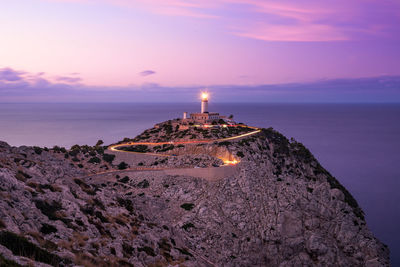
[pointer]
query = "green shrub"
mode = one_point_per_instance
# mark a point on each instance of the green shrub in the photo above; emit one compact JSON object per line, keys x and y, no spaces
{"x":37,"y":150}
{"x":168,"y":129}
{"x":100,"y":150}
{"x":301,"y":152}
{"x":108,"y":158}
{"x":138,"y":148}
{"x":99,"y":143}
{"x":187,"y":206}
{"x":127,"y":203}
{"x":122,"y":165}
{"x":94,"y":160}
{"x":76,"y":147}
{"x":124,"y":180}
{"x":73,"y":152}
{"x":143,"y":184}
{"x":281,"y":143}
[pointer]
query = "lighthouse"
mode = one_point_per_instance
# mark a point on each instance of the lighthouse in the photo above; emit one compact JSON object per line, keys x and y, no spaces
{"x":204,"y":117}
{"x":204,"y":102}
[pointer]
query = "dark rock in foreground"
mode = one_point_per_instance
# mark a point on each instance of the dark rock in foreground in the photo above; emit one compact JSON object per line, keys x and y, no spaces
{"x":280,"y":209}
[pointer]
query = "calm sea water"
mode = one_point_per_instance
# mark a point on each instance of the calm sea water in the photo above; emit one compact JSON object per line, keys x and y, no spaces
{"x":359,"y":144}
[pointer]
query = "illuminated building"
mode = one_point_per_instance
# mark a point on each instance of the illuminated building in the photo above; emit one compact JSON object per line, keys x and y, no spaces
{"x":204,"y":116}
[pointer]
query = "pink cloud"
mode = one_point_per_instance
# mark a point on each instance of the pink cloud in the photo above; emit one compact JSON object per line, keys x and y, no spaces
{"x":147,"y":72}
{"x":309,"y":21}
{"x":294,"y":10}
{"x":293,"y":33}
{"x":191,"y":8}
{"x":279,"y":20}
{"x":178,"y":11}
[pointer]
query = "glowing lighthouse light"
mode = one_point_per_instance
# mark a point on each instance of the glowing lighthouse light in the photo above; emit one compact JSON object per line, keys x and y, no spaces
{"x":204,"y":102}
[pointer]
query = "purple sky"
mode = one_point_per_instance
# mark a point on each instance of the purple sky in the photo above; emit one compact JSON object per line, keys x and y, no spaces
{"x":100,"y":50}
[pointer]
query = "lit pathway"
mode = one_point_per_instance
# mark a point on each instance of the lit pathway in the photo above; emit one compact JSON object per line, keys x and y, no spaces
{"x":115,"y":147}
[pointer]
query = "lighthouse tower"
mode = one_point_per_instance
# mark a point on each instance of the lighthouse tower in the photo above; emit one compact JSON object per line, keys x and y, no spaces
{"x":205,"y":116}
{"x":204,"y":102}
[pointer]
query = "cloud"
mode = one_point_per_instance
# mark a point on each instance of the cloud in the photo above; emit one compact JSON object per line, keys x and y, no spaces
{"x":68,"y":79}
{"x":316,"y":21}
{"x":291,"y":22}
{"x":147,"y":72}
{"x":283,"y":20}
{"x":10,"y":75}
{"x":10,"y":78}
{"x":293,"y":33}
{"x":26,"y":82}
{"x":27,"y":87}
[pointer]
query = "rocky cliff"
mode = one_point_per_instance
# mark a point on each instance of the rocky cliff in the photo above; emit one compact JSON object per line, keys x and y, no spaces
{"x":279,"y":208}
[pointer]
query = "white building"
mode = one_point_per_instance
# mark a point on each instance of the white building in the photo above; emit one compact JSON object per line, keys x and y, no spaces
{"x":204,"y":116}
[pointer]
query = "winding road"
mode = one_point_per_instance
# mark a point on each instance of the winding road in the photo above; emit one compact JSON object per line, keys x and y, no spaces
{"x":115,"y":149}
{"x":205,"y":141}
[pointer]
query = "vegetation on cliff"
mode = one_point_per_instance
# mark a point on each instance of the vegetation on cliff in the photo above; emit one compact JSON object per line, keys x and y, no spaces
{"x":278,"y":206}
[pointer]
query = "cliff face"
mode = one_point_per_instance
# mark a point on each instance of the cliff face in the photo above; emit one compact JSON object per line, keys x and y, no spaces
{"x":279,"y":208}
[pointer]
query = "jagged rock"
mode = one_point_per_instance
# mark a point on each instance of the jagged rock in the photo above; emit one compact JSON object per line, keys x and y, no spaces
{"x":279,"y":208}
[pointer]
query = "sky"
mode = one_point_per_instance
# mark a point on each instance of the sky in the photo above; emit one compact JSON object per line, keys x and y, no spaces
{"x":164,"y":50}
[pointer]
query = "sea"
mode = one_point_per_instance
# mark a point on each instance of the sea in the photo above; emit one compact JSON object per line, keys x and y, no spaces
{"x":357,"y":143}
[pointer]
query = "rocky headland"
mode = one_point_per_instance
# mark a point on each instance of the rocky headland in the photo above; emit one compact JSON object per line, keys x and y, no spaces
{"x":90,"y":206}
